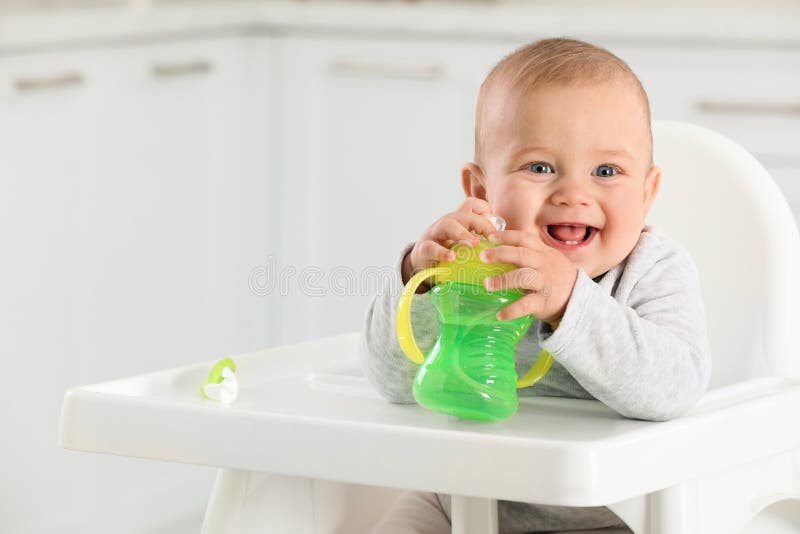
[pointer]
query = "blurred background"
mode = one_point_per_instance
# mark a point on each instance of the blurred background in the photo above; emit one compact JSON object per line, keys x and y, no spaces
{"x":181,"y":181}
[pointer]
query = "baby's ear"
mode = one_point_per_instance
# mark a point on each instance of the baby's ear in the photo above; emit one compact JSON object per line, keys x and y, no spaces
{"x":473,"y":181}
{"x":651,"y":182}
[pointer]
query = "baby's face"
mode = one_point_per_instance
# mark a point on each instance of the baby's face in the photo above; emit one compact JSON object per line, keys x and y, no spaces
{"x":576,"y":155}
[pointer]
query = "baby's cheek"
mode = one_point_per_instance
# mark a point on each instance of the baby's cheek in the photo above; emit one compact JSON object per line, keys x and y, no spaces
{"x":619,"y":237}
{"x":517,"y":204}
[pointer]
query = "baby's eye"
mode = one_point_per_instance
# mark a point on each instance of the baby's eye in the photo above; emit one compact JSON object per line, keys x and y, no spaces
{"x":540,"y":167}
{"x":606,"y":171}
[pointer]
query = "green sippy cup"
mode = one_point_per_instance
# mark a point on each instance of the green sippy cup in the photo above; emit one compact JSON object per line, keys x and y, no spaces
{"x":470,"y":371}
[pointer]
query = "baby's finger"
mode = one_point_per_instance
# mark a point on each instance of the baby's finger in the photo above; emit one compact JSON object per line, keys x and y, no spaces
{"x":526,"y":278}
{"x":431,"y":252}
{"x":521,"y":256}
{"x":449,"y":230}
{"x":476,"y":205}
{"x":530,"y":304}
{"x":474,"y":221}
{"x":519,"y":238}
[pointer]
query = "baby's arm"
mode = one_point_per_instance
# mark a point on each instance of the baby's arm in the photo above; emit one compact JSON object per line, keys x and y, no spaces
{"x":647,"y":354}
{"x":385,"y":365}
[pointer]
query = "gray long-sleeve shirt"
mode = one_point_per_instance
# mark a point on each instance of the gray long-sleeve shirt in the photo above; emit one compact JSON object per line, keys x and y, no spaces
{"x":634,"y":338}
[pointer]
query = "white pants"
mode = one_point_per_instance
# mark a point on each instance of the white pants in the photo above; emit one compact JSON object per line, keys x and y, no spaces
{"x":414,"y":512}
{"x":417,"y":512}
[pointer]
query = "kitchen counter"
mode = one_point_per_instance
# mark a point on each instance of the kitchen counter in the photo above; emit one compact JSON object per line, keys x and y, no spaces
{"x":772,"y":25}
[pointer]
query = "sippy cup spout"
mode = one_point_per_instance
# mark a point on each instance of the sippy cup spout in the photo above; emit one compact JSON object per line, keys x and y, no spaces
{"x":498,"y":222}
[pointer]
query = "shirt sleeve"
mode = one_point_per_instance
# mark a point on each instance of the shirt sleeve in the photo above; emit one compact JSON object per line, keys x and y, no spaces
{"x":648,"y":358}
{"x":384,"y":363}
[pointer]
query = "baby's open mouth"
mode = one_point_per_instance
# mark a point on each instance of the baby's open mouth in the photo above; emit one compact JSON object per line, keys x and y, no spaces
{"x":570,"y":234}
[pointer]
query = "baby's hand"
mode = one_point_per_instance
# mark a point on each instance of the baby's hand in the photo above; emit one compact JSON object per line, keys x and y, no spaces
{"x":545,"y":273}
{"x":434,"y":244}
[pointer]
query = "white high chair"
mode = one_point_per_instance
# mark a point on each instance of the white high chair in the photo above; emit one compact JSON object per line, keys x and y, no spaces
{"x":309,"y":447}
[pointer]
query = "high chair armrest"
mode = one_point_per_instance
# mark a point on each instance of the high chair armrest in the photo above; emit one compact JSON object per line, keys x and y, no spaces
{"x":305,"y":410}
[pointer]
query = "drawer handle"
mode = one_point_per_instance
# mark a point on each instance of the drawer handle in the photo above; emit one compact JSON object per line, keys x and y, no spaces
{"x":175,"y":70}
{"x":43,"y":83}
{"x":346,"y":67}
{"x":765,"y":108}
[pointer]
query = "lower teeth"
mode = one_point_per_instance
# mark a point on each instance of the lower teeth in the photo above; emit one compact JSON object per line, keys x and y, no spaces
{"x":588,"y":233}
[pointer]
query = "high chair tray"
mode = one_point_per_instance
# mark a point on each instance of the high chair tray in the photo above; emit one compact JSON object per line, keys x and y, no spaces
{"x":306,"y":410}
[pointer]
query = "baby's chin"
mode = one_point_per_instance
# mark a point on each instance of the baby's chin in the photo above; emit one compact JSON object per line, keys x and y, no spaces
{"x":595,"y":268}
{"x":589,"y":267}
{"x":603,"y":254}
{"x":590,"y":261}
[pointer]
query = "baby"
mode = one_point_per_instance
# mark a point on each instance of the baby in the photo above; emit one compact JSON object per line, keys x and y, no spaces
{"x":563,"y":152}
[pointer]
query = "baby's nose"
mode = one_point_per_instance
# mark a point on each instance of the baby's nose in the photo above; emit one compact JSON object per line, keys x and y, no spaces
{"x":571,"y":193}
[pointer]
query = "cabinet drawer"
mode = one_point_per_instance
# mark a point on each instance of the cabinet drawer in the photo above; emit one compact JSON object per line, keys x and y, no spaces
{"x":750,"y":95}
{"x":49,"y":74}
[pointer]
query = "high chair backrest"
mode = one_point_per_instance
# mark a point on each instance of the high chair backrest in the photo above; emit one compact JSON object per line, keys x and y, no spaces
{"x":719,"y":202}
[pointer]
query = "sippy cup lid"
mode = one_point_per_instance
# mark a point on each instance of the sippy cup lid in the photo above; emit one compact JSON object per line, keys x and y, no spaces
{"x":468,"y":267}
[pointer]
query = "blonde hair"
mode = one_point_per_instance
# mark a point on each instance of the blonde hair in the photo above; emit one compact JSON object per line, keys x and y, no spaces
{"x":555,"y":61}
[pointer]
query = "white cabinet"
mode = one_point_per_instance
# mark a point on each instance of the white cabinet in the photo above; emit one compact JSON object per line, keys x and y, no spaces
{"x":41,"y":106}
{"x":174,"y":216}
{"x":751,"y":95}
{"x":374,"y":134}
{"x":133,"y":182}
